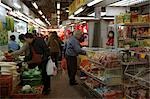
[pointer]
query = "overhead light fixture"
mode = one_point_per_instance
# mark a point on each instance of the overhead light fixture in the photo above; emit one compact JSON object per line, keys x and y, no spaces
{"x":67,"y":11}
{"x":43,"y":16}
{"x":71,"y":16}
{"x":58,"y":19}
{"x":93,"y":2}
{"x":127,"y":2}
{"x":17,"y":5}
{"x":46,"y":19}
{"x":92,"y":14}
{"x":40,"y":12}
{"x":78,"y":11}
{"x":5,"y":6}
{"x":58,"y":5}
{"x":58,"y":16}
{"x":83,"y":18}
{"x":103,"y":13}
{"x":108,"y":18}
{"x":58,"y":11}
{"x":35,"y":5}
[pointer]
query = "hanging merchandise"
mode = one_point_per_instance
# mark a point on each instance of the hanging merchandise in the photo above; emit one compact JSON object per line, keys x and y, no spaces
{"x":3,"y":38}
{"x":1,"y":26}
{"x":9,"y":23}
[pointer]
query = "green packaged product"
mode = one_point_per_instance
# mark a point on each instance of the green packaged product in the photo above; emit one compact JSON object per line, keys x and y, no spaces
{"x":127,"y":18}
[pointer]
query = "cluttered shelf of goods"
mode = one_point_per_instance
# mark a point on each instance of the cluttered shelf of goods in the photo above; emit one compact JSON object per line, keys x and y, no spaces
{"x":133,"y":29}
{"x":16,"y":81}
{"x":116,"y":73}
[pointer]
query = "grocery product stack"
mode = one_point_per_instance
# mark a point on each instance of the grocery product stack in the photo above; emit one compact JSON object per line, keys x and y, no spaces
{"x":103,"y":71}
{"x":133,"y":29}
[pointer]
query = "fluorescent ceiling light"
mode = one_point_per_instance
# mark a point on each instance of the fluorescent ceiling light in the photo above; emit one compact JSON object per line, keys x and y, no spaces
{"x":35,"y":5}
{"x":58,"y":16}
{"x":58,"y":19}
{"x":83,"y":18}
{"x":46,"y":19}
{"x":38,"y":21}
{"x":92,"y":14}
{"x":93,"y":2}
{"x":40,"y":12}
{"x":78,"y":11}
{"x":107,"y":18}
{"x":58,"y":5}
{"x":58,"y":11}
{"x":43,"y":16}
{"x":17,"y":5}
{"x":5,"y":6}
{"x":71,"y":16}
{"x":67,"y":10}
{"x":103,"y":13}
{"x":127,"y":2}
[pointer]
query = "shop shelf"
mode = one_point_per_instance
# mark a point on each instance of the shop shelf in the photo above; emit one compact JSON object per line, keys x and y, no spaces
{"x":134,"y":63}
{"x":113,"y":80}
{"x":92,"y":76}
{"x":96,"y":62}
{"x":92,"y":91}
{"x":135,"y":24}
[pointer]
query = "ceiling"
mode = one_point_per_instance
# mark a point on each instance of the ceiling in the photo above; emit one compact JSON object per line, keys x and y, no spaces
{"x":49,"y":9}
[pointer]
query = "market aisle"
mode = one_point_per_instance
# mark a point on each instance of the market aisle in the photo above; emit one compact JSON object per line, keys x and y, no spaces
{"x":62,"y":90}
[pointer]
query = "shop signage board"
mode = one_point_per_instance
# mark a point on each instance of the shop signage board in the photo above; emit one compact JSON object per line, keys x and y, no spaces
{"x":75,"y":5}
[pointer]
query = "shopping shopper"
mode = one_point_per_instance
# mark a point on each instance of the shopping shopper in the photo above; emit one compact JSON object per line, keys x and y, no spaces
{"x":12,"y":45}
{"x":73,"y":48}
{"x":53,"y":44}
{"x":39,"y":56}
{"x":24,"y":49}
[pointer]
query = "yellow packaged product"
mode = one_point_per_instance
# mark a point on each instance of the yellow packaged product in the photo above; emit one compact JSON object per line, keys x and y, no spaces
{"x":145,"y":18}
{"x":119,"y":19}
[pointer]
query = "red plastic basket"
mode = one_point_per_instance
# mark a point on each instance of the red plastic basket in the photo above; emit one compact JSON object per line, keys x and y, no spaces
{"x":6,"y":80}
{"x":16,"y":95}
{"x":5,"y":85}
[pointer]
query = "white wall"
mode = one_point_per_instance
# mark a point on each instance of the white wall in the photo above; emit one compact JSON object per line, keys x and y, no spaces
{"x":113,"y":11}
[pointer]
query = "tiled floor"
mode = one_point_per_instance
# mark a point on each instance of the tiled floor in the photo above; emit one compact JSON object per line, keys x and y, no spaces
{"x":62,"y":90}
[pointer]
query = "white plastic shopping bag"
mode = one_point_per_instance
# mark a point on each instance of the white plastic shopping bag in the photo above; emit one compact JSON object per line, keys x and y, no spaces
{"x":51,"y":69}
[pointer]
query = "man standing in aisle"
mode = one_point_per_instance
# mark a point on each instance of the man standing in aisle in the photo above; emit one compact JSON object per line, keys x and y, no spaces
{"x":73,"y":48}
{"x":39,"y":53}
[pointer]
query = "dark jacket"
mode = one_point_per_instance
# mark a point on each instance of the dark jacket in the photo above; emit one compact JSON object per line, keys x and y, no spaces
{"x":40,"y":47}
{"x":53,"y":44}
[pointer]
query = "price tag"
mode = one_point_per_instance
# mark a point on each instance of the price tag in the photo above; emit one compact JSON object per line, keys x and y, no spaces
{"x":142,"y":55}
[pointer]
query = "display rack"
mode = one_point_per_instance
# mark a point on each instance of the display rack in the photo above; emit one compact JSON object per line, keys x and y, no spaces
{"x":104,"y":77}
{"x":133,"y":72}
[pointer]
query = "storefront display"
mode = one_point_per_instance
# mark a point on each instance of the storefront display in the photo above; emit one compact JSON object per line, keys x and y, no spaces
{"x":103,"y":69}
{"x":128,"y":69}
{"x":133,"y":29}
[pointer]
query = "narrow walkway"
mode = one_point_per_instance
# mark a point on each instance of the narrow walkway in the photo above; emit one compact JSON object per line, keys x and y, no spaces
{"x":62,"y":90}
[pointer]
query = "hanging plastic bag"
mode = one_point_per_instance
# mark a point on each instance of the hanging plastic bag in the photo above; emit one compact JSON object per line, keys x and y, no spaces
{"x":51,"y":68}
